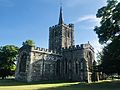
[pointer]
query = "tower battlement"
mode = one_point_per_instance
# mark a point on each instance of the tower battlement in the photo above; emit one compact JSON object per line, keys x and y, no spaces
{"x":65,"y":25}
{"x":55,"y":26}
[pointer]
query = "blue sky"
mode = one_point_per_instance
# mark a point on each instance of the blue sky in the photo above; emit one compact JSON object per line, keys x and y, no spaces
{"x":30,"y":19}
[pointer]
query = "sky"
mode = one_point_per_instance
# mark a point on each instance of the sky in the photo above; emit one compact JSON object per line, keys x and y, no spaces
{"x":21,"y":20}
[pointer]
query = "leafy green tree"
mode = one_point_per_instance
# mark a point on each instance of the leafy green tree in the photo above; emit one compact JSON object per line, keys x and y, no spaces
{"x":29,"y":43}
{"x":113,"y":54}
{"x":110,"y":17}
{"x":8,"y":56}
{"x":99,"y":57}
{"x":109,"y":33}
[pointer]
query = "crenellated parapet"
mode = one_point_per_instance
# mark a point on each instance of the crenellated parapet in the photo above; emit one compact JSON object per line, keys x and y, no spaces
{"x":55,"y":26}
{"x":78,"y":47}
{"x":28,"y":49}
{"x":44,"y":50}
{"x":87,"y":46}
{"x":64,"y":25}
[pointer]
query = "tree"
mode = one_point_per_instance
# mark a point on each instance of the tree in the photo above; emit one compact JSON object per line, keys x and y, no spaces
{"x":110,"y":16}
{"x":28,"y":43}
{"x":8,"y":56}
{"x":109,"y":33}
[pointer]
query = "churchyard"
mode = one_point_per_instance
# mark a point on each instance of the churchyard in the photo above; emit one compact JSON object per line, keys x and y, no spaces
{"x":11,"y":84}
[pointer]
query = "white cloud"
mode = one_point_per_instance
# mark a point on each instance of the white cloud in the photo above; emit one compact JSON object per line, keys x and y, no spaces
{"x":90,"y":18}
{"x":90,"y":21}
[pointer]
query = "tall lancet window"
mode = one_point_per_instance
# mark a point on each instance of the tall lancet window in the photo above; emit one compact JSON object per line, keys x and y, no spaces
{"x":23,"y":59}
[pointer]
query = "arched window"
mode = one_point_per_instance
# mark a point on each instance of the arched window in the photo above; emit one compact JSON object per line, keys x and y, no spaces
{"x":66,"y":65}
{"x":81,"y":65}
{"x":90,"y":60}
{"x":58,"y":67}
{"x":76,"y":64}
{"x":23,"y":59}
{"x":68,"y":34}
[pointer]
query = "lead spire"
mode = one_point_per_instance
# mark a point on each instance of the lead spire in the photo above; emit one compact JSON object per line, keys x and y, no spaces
{"x":61,"y":21}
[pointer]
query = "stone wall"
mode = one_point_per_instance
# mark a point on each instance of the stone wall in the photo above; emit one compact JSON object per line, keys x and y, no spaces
{"x":44,"y":66}
{"x":79,"y":60}
{"x":40,"y":64}
{"x":73,"y":63}
{"x":23,"y":63}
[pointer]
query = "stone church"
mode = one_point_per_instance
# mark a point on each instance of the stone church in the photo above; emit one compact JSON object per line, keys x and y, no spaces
{"x":62,"y":61}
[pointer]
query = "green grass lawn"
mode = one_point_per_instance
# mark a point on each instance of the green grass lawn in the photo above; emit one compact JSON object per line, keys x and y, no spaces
{"x":11,"y":84}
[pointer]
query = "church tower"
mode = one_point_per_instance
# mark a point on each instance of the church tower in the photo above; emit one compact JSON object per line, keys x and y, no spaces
{"x":61,"y":35}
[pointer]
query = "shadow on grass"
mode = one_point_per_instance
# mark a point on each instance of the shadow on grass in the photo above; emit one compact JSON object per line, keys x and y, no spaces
{"x":13,"y":82}
{"x":106,"y":85}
